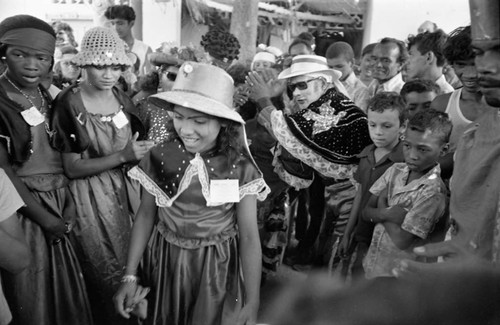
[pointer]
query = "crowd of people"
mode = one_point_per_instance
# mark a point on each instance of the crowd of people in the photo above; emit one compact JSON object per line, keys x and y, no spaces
{"x":168,"y":187}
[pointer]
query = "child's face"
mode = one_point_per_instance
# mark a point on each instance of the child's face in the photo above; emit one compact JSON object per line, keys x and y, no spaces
{"x":198,"y":131}
{"x":384,"y":128}
{"x":422,"y":149}
{"x":416,"y":102}
{"x":260,"y":65}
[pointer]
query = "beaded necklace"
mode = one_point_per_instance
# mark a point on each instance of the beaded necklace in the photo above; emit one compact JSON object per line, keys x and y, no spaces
{"x":47,"y":129}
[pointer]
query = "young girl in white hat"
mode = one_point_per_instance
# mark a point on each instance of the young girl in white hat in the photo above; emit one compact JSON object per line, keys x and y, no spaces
{"x":204,"y":259}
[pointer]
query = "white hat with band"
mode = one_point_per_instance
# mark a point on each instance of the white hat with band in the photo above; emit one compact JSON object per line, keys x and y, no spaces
{"x":202,"y":87}
{"x":307,"y":64}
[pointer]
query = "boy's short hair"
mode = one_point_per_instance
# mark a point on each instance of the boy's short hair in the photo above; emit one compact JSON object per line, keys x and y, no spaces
{"x":419,"y":86}
{"x":338,"y":49}
{"x":430,"y":119}
{"x":458,"y":46}
{"x":430,"y":42}
{"x":120,"y":12}
{"x":388,"y":100}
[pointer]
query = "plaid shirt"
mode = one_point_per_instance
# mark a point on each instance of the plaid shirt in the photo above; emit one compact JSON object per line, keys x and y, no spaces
{"x":423,"y":198}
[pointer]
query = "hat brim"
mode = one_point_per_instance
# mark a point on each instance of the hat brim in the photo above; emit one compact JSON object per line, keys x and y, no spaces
{"x":195,"y":101}
{"x":288,"y":73}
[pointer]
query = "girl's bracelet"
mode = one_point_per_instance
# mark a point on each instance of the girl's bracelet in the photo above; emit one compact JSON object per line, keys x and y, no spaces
{"x":129,"y":278}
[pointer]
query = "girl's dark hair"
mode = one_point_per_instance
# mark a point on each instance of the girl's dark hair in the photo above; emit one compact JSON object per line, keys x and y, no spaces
{"x":228,"y":140}
{"x":150,"y":82}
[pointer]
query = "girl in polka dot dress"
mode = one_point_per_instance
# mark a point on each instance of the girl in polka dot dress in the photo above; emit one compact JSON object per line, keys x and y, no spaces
{"x":203,"y":260}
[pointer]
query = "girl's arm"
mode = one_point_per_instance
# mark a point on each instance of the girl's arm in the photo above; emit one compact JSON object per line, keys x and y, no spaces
{"x":77,"y":167}
{"x":141,"y":232}
{"x":251,"y":257}
{"x":353,"y":220}
{"x":33,"y":210}
{"x":14,"y":253}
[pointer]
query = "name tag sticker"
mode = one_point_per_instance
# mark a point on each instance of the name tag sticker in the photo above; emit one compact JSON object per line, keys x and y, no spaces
{"x":120,"y":120}
{"x":32,"y":116}
{"x":224,"y":190}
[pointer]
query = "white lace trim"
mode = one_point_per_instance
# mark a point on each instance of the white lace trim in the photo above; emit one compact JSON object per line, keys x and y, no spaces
{"x":294,"y":181}
{"x":305,"y":154}
{"x":196,"y":167}
{"x":256,"y":187}
{"x":161,"y":198}
{"x":7,"y":139}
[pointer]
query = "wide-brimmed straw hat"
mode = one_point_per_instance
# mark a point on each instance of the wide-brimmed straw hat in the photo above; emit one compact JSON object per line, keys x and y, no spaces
{"x":306,"y":64}
{"x":202,"y":87}
{"x":102,"y":46}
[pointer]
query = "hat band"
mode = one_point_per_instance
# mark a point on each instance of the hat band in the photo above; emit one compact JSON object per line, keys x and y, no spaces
{"x":304,"y":67}
{"x":32,"y":38}
{"x":201,"y":94}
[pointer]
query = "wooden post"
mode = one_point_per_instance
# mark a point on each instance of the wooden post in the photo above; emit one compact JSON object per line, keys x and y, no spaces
{"x":244,"y":21}
{"x":137,"y":28}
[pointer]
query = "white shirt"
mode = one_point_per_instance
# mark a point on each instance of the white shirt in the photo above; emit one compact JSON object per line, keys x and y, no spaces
{"x":444,"y":86}
{"x":141,"y":50}
{"x":357,"y":91}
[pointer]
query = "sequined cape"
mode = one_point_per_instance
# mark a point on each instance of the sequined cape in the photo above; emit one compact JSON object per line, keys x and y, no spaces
{"x":69,"y":116}
{"x":15,"y":133}
{"x":167,"y":169}
{"x":333,"y":126}
{"x":324,"y":138}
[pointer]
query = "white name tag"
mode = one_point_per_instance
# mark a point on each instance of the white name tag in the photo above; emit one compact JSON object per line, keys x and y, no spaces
{"x":32,"y":116}
{"x":120,"y":120}
{"x":224,"y":190}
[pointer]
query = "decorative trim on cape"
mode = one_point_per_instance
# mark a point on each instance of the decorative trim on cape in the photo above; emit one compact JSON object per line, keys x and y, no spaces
{"x":305,"y":154}
{"x":196,"y":167}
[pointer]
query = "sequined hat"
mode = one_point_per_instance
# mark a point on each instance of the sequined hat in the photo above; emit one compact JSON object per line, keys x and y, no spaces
{"x":101,"y":46}
{"x":202,"y":87}
{"x":306,"y":64}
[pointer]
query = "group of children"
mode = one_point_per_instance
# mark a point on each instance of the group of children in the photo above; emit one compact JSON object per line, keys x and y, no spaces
{"x":103,"y":209}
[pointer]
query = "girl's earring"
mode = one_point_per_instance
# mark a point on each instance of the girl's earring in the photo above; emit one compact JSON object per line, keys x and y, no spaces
{"x":401,"y":136}
{"x":3,"y":58}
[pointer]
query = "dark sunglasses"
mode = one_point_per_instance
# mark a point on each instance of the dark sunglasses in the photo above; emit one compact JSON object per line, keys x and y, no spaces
{"x":171,"y":76}
{"x":302,"y":85}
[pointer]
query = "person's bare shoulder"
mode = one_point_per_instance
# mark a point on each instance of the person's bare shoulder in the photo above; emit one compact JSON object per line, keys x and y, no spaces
{"x":440,"y":102}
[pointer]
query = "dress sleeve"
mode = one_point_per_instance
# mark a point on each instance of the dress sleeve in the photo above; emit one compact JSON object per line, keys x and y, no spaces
{"x":251,"y":181}
{"x":10,"y":200}
{"x":425,"y":212}
{"x":67,"y":121}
